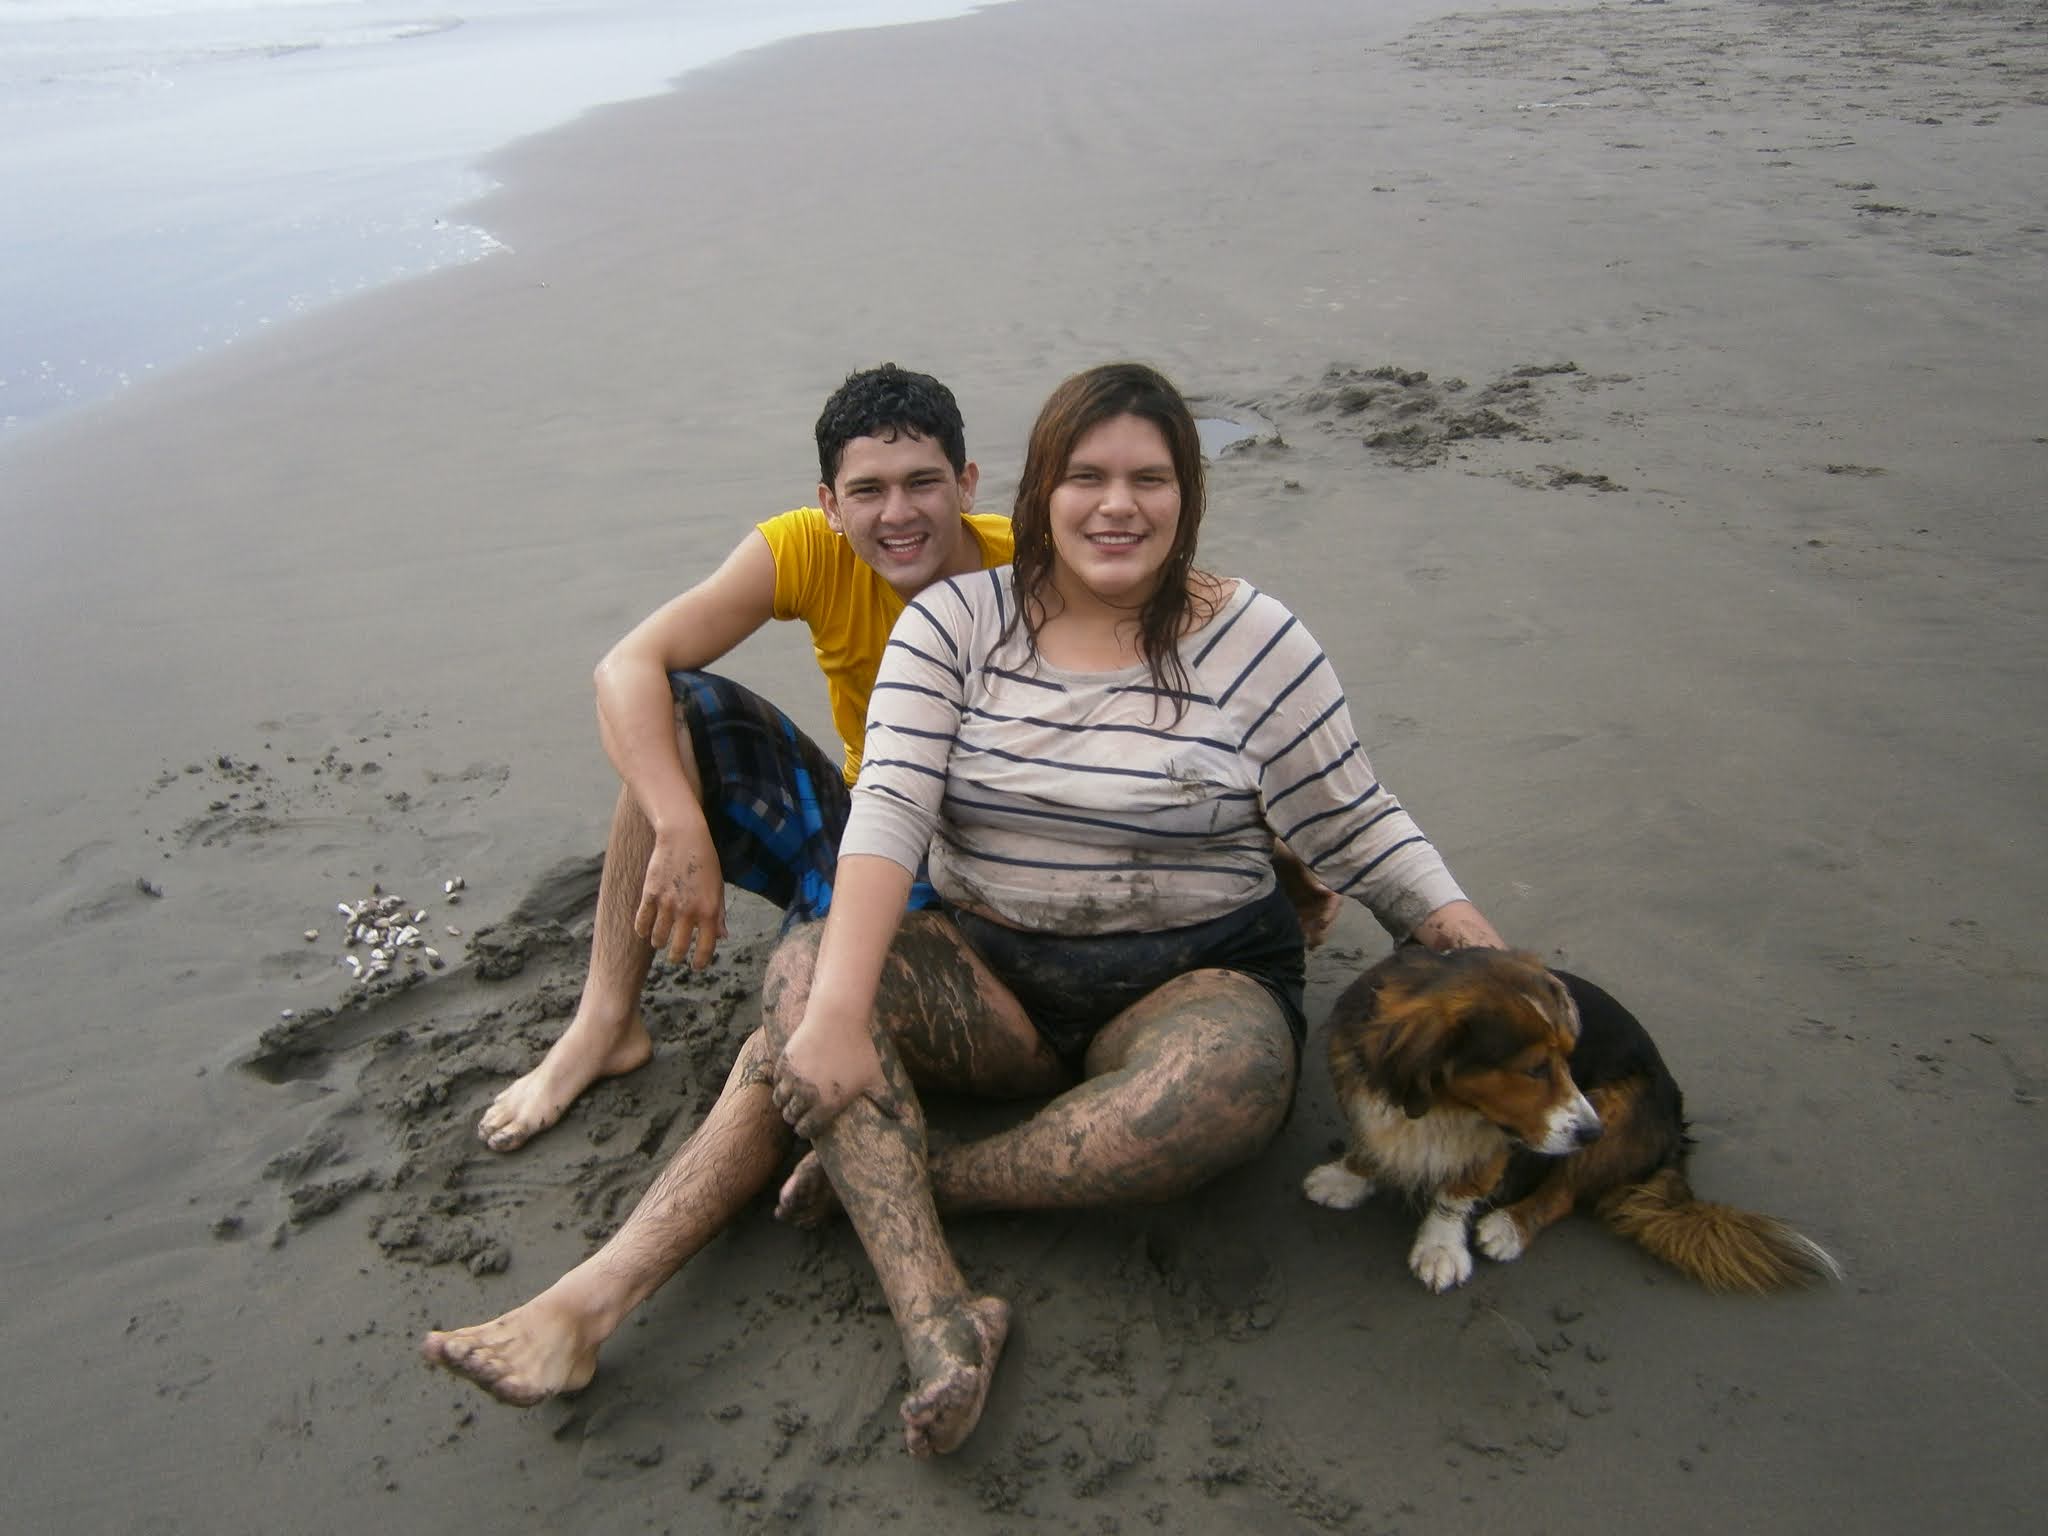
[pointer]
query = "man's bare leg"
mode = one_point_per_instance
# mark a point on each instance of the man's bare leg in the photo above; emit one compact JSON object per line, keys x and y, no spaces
{"x":1189,"y":1082}
{"x":606,"y":1037}
{"x":550,"y":1344}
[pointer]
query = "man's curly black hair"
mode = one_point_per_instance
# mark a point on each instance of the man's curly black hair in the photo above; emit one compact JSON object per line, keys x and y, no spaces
{"x":881,"y":402}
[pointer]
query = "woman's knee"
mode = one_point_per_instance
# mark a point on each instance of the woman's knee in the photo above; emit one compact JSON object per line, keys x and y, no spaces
{"x":786,"y":982}
{"x":1224,"y":1080}
{"x":1263,"y":1069}
{"x":1250,"y":1085}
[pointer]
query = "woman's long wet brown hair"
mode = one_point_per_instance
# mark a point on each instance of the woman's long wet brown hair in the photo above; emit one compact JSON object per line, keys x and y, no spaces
{"x":1076,"y":408}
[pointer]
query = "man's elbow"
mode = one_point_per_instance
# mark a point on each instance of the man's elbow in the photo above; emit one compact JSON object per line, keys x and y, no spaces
{"x":614,"y":668}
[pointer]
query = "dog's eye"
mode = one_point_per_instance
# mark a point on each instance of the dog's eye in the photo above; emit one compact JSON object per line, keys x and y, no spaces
{"x":1541,"y":1072}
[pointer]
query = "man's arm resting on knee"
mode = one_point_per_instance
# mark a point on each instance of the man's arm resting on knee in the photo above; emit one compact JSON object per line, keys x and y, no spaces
{"x":636,"y":717}
{"x":829,"y":1059}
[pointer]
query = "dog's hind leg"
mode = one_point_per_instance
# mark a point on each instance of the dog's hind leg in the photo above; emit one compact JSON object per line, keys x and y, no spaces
{"x":1506,"y":1233}
{"x":1634,"y":1142}
{"x":1342,"y":1185}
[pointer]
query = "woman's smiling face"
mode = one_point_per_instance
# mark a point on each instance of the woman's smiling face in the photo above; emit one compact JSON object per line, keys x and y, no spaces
{"x":1114,"y":515}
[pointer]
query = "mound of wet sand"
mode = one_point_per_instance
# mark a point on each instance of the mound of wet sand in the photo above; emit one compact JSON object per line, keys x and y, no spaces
{"x":414,"y":1058}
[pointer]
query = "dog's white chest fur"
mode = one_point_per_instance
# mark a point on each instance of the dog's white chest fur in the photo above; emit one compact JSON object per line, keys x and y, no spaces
{"x":1420,"y":1156}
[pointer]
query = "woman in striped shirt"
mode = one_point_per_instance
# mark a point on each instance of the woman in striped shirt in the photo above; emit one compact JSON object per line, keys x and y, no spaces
{"x":1095,"y":749}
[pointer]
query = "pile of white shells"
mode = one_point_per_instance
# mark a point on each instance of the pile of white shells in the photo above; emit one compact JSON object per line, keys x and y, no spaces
{"x":383,"y":931}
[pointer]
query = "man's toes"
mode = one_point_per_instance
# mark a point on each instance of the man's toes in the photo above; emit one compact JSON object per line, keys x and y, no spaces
{"x":502,"y":1138}
{"x":478,"y":1360}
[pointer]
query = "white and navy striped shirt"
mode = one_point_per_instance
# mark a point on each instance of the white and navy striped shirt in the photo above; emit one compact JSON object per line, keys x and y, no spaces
{"x":1074,"y":802}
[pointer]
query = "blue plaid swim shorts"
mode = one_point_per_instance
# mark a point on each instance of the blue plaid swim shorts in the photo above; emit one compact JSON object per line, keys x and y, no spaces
{"x":776,"y":804}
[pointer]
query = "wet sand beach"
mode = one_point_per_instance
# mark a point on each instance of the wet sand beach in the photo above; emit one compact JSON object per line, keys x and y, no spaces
{"x":1644,"y":409}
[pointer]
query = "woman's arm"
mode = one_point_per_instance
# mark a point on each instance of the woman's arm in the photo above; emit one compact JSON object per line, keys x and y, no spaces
{"x":1457,"y":925}
{"x":913,"y":715}
{"x":830,"y":1059}
{"x":1320,"y":796}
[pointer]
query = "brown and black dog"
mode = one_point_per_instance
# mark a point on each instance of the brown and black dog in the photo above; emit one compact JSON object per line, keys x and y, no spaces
{"x":1483,"y":1079}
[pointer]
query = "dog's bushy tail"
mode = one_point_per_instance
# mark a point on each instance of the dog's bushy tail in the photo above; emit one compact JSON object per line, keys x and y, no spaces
{"x":1724,"y":1249}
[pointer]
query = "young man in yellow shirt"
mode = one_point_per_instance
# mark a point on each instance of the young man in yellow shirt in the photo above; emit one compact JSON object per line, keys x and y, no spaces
{"x":718,"y":785}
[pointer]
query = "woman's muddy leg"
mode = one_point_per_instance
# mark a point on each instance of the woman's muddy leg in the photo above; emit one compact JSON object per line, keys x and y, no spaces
{"x":874,"y":1155}
{"x":1194,"y":1079}
{"x":952,"y":1337}
{"x":956,"y":1029}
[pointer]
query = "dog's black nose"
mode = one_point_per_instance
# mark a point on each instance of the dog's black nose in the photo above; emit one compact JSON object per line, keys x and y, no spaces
{"x":1588,"y":1133}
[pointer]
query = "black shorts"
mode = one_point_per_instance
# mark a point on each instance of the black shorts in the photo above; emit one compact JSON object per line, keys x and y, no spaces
{"x":1071,"y":987}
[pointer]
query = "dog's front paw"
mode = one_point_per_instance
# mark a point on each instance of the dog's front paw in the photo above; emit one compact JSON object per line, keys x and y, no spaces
{"x":1440,"y":1264}
{"x":1336,"y":1186}
{"x":1500,"y":1237}
{"x":1441,"y":1258}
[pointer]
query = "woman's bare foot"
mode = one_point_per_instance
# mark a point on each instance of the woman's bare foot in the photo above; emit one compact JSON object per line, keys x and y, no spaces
{"x":584,"y":1053}
{"x":524,"y":1357}
{"x":952,"y":1355}
{"x":807,"y":1198}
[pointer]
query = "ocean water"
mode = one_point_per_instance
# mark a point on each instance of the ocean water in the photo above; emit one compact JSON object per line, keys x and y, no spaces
{"x":176,"y":175}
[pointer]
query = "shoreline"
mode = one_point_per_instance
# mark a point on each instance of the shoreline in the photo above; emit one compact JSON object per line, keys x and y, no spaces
{"x":201,"y":179}
{"x":1666,"y":512}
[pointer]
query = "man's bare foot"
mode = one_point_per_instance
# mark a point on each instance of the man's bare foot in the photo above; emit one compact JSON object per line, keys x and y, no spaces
{"x":524,"y":1357}
{"x":952,"y":1356}
{"x":579,"y":1058}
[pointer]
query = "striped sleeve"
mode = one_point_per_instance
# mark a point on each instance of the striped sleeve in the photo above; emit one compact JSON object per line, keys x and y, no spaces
{"x":1316,"y":785}
{"x":913,"y":722}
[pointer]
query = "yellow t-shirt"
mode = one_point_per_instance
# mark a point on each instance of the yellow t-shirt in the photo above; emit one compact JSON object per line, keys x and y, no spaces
{"x":849,"y":607}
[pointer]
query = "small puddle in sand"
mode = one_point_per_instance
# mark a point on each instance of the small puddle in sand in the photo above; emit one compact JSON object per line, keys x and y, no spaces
{"x":1219,"y":433}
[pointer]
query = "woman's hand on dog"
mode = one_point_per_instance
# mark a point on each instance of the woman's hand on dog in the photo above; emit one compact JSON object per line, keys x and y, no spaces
{"x":1458,"y":925}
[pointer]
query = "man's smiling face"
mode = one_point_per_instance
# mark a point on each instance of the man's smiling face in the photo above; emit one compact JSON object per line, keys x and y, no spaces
{"x":897,"y":501}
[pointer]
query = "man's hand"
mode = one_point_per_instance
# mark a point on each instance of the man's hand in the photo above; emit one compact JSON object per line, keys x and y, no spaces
{"x":682,"y":905}
{"x":827,"y":1064}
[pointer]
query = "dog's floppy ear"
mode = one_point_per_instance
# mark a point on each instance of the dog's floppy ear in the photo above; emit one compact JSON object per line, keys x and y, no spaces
{"x":1413,"y":1047}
